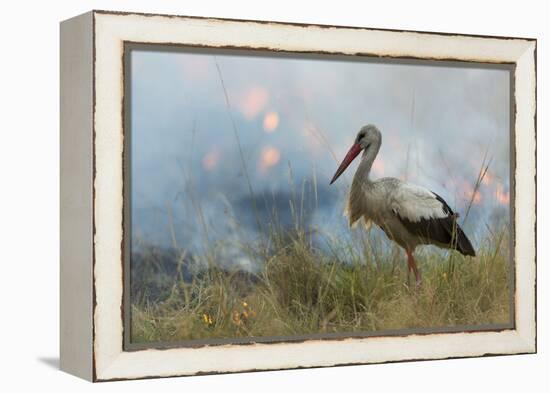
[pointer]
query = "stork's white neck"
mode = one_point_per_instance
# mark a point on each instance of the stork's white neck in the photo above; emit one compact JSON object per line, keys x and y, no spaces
{"x":367,"y":159}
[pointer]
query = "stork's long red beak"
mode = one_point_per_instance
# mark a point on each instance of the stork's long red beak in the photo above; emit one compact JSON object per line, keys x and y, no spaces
{"x":352,"y":153}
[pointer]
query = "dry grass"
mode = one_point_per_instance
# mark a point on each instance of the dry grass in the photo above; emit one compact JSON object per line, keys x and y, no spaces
{"x":304,"y":290}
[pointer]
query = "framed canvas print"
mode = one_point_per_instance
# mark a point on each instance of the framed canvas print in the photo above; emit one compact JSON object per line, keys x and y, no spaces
{"x":246,"y":195}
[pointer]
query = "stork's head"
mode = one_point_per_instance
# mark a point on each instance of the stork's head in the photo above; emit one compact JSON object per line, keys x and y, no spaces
{"x":368,"y":136}
{"x":368,"y":139}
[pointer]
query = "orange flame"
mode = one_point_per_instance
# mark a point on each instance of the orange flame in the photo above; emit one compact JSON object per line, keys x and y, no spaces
{"x":469,"y":193}
{"x":253,"y":102}
{"x":488,"y":178}
{"x":477,"y":198}
{"x":269,"y":157}
{"x":211,"y":159}
{"x":271,"y":122}
{"x":502,"y":196}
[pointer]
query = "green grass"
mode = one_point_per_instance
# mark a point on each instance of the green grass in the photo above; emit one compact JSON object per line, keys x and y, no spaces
{"x":301,"y":289}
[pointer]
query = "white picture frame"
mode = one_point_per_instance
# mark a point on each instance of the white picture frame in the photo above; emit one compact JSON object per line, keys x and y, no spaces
{"x":92,"y":194}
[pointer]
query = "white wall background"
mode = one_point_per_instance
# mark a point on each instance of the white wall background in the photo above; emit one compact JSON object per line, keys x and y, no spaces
{"x":29,"y":195}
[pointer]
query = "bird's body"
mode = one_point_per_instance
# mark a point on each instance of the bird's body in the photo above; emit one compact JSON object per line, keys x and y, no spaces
{"x":408,"y":214}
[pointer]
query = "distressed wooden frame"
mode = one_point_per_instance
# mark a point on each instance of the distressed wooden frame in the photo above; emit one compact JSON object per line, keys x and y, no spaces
{"x":92,"y":190}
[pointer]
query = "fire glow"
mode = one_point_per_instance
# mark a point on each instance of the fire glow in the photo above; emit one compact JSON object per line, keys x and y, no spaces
{"x":488,"y":178}
{"x":211,"y":159}
{"x":253,"y":102}
{"x":269,"y":157}
{"x":502,"y":196}
{"x":271,"y":122}
{"x":470,"y":194}
{"x":475,"y":197}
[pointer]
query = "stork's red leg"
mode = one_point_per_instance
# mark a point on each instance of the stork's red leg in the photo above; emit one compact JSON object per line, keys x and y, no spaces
{"x":412,"y":266}
{"x":409,"y":268}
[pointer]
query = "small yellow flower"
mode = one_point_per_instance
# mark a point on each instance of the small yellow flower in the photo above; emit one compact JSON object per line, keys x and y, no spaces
{"x":241,"y":315}
{"x":444,"y":275}
{"x":207,"y":319}
{"x":236,"y":317}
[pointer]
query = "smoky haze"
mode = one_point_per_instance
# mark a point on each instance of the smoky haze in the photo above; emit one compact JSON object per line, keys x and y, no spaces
{"x":195,"y":178}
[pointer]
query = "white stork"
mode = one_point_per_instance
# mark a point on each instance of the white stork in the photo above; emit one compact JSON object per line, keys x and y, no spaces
{"x":408,"y":214}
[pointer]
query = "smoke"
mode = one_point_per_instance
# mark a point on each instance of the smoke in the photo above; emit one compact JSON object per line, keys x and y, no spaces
{"x":296,"y":117}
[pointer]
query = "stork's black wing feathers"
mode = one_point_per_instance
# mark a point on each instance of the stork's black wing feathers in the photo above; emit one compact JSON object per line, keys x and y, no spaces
{"x":445,"y":231}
